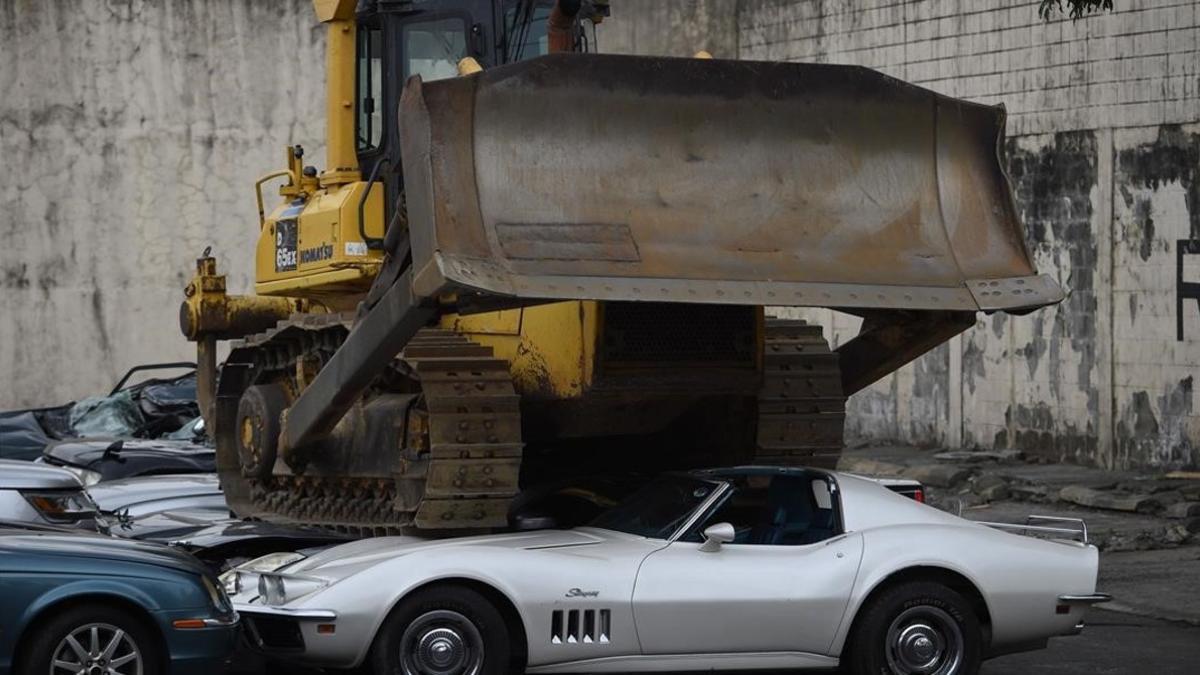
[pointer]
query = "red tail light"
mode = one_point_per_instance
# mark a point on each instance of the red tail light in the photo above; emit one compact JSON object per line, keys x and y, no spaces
{"x":919,"y":495}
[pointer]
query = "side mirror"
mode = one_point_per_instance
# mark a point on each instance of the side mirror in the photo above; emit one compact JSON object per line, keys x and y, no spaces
{"x":715,"y":535}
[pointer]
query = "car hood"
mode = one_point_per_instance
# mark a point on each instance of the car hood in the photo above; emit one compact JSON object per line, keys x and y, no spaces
{"x":134,"y":456}
{"x":189,"y":533}
{"x":338,"y":560}
{"x":117,"y":494}
{"x":19,"y":475}
{"x":98,"y":547}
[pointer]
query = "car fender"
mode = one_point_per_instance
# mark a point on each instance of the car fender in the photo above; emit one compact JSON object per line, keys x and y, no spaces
{"x":363,"y":605}
{"x":1018,"y":577}
{"x":534,"y":582}
{"x":115,"y":588}
{"x":448,"y":575}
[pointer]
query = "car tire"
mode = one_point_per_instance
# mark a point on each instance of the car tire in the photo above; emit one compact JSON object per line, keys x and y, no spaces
{"x":258,"y":428}
{"x":453,"y":628}
{"x":135,"y":649}
{"x":915,"y":627}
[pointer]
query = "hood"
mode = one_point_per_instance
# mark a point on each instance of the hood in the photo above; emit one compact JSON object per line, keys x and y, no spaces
{"x":116,"y":494}
{"x":97,"y":547}
{"x":367,"y":552}
{"x":18,"y":475}
{"x":120,"y":458}
{"x":188,"y":533}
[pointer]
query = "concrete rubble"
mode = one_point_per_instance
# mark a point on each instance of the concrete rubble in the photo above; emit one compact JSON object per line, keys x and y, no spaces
{"x":1125,"y":511}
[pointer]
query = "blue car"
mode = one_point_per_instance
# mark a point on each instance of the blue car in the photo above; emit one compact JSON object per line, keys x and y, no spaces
{"x":94,"y":605}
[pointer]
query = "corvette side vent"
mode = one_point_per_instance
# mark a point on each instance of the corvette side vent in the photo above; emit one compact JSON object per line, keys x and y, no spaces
{"x":576,"y":626}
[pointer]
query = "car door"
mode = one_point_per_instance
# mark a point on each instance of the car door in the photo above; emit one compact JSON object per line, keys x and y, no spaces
{"x":782,"y":585}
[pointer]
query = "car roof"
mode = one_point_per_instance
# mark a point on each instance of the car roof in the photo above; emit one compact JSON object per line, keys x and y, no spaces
{"x":20,"y":475}
{"x":759,"y":470}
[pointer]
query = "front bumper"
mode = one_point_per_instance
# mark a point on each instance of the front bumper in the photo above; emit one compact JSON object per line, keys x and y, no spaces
{"x":313,"y":636}
{"x":297,"y":614}
{"x":199,"y":651}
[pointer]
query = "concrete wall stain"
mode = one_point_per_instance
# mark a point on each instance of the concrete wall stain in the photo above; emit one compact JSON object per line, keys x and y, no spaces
{"x":972,"y":363}
{"x":1053,"y":187}
{"x":1036,"y":347}
{"x":930,"y":402}
{"x":1174,"y":157}
{"x":1156,"y":430}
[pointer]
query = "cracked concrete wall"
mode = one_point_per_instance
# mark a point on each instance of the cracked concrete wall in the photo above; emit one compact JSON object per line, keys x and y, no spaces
{"x":1103,"y":153}
{"x":132,"y":132}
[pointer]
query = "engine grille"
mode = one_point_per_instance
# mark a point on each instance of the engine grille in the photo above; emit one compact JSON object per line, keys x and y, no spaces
{"x":276,"y":633}
{"x":659,"y":334}
{"x":575,"y":626}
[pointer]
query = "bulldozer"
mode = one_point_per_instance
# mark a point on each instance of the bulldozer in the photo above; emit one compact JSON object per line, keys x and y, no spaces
{"x":525,"y":260}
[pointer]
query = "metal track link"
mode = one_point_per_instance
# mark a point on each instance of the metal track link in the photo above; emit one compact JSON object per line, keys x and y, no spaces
{"x":473,"y":462}
{"x":463,"y":468}
{"x":801,"y":409}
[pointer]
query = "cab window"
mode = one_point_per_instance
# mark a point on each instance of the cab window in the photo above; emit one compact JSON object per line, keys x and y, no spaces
{"x":369,"y":45}
{"x":525,"y":28}
{"x":775,"y":510}
{"x":432,"y":49}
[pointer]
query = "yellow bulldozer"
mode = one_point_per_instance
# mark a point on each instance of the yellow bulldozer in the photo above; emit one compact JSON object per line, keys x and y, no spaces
{"x":524,"y":262}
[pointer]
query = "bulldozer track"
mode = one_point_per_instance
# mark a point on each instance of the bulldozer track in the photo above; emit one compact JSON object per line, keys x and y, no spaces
{"x":462,"y":460}
{"x":801,"y":408}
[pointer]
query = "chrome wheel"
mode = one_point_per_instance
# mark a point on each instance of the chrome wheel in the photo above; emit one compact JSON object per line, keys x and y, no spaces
{"x":97,"y":649}
{"x":441,"y":642}
{"x":924,"y":640}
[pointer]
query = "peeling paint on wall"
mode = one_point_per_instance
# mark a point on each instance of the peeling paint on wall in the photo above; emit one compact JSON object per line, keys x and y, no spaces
{"x":1155,"y":427}
{"x":1173,"y":157}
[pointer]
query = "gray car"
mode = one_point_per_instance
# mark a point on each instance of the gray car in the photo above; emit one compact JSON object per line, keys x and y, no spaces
{"x":731,"y":569}
{"x":46,"y":495}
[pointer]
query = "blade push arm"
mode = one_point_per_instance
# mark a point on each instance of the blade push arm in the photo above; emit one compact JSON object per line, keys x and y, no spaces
{"x":374,"y":342}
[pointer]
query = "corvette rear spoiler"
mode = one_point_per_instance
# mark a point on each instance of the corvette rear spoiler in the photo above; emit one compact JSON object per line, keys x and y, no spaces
{"x":1073,"y":529}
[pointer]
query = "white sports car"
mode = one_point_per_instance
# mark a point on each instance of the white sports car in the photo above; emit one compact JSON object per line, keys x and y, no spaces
{"x":709,"y":570}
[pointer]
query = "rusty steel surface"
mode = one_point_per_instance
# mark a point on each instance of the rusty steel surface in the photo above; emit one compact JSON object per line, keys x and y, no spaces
{"x":698,"y":180}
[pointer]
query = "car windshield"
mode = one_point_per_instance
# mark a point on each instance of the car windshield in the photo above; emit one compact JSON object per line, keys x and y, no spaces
{"x":657,"y":509}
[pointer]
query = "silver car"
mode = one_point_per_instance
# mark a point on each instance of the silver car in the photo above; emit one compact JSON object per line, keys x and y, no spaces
{"x":714,"y":570}
{"x":44,"y":495}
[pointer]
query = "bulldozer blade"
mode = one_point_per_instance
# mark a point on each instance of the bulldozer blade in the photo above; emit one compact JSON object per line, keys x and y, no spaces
{"x":608,"y":177}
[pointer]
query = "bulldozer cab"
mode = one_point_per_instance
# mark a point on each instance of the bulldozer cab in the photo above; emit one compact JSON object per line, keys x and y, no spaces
{"x":430,"y":39}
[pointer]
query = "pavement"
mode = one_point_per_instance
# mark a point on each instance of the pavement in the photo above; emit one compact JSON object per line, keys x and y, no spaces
{"x":1112,"y":643}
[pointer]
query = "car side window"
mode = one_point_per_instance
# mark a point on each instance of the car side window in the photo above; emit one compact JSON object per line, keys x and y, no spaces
{"x":775,"y":511}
